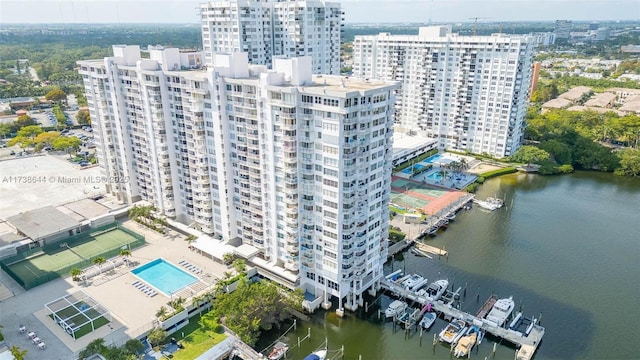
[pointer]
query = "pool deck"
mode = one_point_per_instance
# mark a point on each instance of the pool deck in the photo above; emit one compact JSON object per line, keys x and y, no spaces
{"x":133,"y":312}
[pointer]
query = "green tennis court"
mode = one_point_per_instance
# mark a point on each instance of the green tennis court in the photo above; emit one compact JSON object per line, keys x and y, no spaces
{"x":40,"y":266}
{"x":37,"y":266}
{"x":407,"y":200}
{"x":100,"y":243}
{"x":430,"y":192}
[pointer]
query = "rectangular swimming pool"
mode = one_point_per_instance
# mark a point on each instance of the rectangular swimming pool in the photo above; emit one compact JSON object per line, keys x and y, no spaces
{"x":164,"y":276}
{"x":412,"y":169}
{"x":433,"y":158}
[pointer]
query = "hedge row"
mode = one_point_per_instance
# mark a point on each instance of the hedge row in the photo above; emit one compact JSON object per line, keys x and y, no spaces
{"x":410,"y":162}
{"x":498,"y":172}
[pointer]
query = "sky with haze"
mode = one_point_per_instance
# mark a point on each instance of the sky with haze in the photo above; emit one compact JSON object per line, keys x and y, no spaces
{"x":185,"y":11}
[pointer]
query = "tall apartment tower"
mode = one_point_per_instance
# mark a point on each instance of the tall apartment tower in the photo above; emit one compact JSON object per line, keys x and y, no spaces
{"x":268,"y":29}
{"x":296,"y":166}
{"x":563,"y":29}
{"x":469,"y":92}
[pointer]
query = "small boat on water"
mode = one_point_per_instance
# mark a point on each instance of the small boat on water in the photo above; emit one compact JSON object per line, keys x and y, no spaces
{"x":501,"y":311}
{"x":453,"y":332}
{"x":442,"y":223}
{"x":451,"y":216}
{"x":412,"y":281}
{"x":466,"y":343}
{"x":435,"y":290}
{"x":491,"y":203}
{"x":495,"y":200}
{"x":428,"y":319}
{"x":395,"y":308}
{"x":317,"y":355}
{"x":421,"y":253}
{"x":278,"y":351}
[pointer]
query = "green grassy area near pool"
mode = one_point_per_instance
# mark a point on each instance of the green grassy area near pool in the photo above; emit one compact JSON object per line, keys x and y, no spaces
{"x":196,"y":340}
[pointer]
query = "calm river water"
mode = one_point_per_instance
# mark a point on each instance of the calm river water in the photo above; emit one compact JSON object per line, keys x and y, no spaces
{"x":564,"y":246}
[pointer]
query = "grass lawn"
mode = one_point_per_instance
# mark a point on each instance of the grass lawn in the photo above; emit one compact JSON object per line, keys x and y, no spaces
{"x":397,"y":210}
{"x":196,"y":340}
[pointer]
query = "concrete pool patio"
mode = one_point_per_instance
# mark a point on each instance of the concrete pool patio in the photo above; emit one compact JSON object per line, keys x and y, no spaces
{"x":133,"y":312}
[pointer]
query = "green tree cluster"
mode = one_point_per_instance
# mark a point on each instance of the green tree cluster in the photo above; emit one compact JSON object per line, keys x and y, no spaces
{"x":83,"y":117}
{"x":129,"y":351}
{"x":255,"y":306}
{"x":584,"y":140}
{"x":145,"y":215}
{"x":56,"y":95}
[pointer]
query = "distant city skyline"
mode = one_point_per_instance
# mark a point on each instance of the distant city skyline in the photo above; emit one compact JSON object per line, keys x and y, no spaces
{"x":356,"y":11}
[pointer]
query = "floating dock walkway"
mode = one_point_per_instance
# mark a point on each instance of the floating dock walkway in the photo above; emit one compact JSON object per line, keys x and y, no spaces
{"x":430,"y":249}
{"x":527,"y":344}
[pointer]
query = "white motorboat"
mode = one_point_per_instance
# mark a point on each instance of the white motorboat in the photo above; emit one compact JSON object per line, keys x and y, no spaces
{"x":436,"y":289}
{"x":501,"y":311}
{"x":453,"y":332}
{"x":317,"y":355}
{"x":490,"y":203}
{"x":466,"y":343}
{"x":427,"y":320}
{"x":395,"y":308}
{"x":412,"y":281}
{"x":497,"y":201}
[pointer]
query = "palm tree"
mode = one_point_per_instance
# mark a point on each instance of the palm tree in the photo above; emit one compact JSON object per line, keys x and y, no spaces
{"x":125,"y":253}
{"x":191,"y":238}
{"x":134,"y":346}
{"x":209,"y":296}
{"x":99,"y":261}
{"x":197,"y":301}
{"x":75,"y":274}
{"x":156,"y":335}
{"x":239,"y":265}
{"x":177,"y":303}
{"x":227,"y":258}
{"x":162,"y":312}
{"x":463,"y":165}
{"x":18,"y":354}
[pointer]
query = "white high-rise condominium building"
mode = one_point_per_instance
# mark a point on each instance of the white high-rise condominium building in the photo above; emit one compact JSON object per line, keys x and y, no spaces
{"x":298,"y":167}
{"x":469,"y":92}
{"x":267,"y":29}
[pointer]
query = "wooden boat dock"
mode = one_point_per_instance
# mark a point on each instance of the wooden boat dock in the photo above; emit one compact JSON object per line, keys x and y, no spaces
{"x":527,"y":344}
{"x":430,"y":249}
